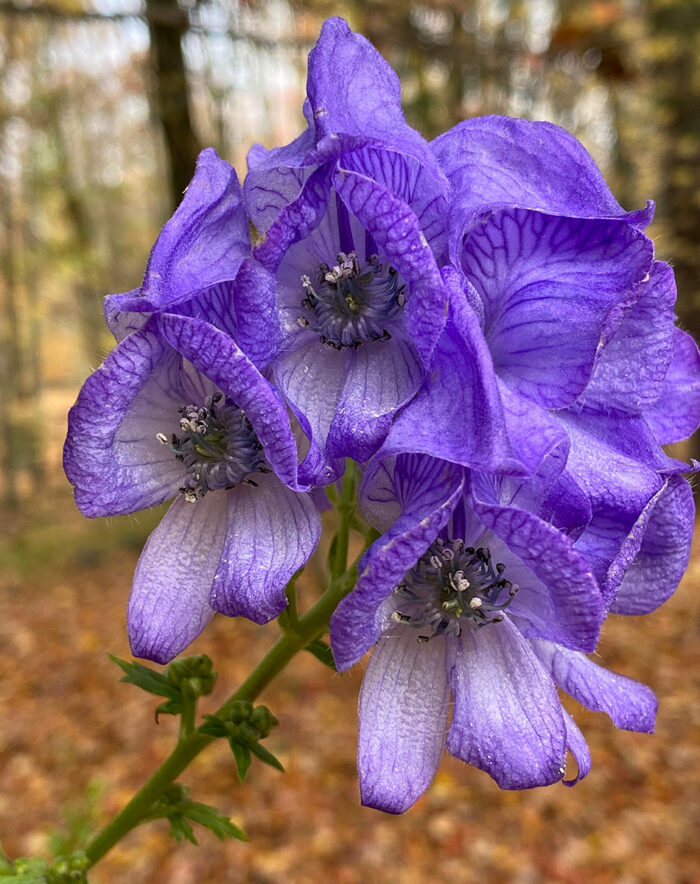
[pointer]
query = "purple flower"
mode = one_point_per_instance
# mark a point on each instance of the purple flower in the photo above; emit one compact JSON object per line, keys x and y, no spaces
{"x":471,"y":597}
{"x":179,"y":411}
{"x":202,"y":266}
{"x":352,"y":216}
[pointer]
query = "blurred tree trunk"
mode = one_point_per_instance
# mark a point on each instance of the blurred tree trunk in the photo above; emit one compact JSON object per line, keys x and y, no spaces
{"x":167,"y":23}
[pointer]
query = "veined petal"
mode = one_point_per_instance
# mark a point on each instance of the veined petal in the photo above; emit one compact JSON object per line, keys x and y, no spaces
{"x":380,"y":377}
{"x":271,"y":533}
{"x":663,"y":553}
{"x":403,"y":717}
{"x":676,"y":413}
{"x":547,"y":284}
{"x":428,"y":491}
{"x":629,"y":704}
{"x":111,"y":454}
{"x":507,"y":719}
{"x":169,"y":603}
{"x":498,"y":161}
{"x":630,"y":369}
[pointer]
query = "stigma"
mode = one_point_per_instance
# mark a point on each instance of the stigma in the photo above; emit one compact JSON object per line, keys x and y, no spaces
{"x":217,"y":446}
{"x":349,"y":305}
{"x":451,"y":587}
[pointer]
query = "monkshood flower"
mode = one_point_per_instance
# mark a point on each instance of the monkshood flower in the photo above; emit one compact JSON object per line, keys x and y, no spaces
{"x":201,"y":266}
{"x":177,"y":410}
{"x":352,"y":217}
{"x":471,"y":597}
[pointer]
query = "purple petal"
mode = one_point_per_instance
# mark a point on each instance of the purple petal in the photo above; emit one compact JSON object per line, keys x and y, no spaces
{"x":403,"y":717}
{"x":676,"y":413}
{"x":398,"y":235}
{"x":427,"y":491}
{"x":507,"y":719}
{"x":205,"y":241}
{"x":558,"y":595}
{"x":111,"y":455}
{"x":219,"y":357}
{"x":664,"y":552}
{"x":629,"y":704}
{"x":576,"y":744}
{"x":169,"y":603}
{"x":534,"y":434}
{"x":457,"y":415}
{"x":631,"y":367}
{"x":271,"y":533}
{"x":547,"y":284}
{"x":380,"y":377}
{"x":498,"y":161}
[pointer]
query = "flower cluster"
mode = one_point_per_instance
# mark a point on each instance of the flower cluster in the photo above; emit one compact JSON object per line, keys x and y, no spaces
{"x":478,"y":324}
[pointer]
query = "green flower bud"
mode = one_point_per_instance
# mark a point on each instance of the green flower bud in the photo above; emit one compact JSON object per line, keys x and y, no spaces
{"x":240,"y":711}
{"x":263,"y":720}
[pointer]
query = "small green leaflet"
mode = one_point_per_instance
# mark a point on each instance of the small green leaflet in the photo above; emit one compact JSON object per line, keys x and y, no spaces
{"x":154,"y":682}
{"x":322,"y":652}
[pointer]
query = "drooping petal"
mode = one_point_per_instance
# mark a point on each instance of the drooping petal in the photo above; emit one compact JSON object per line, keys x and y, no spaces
{"x":169,"y":603}
{"x":507,"y":719}
{"x":629,"y":704}
{"x":557,"y":593}
{"x":380,"y":377}
{"x":271,"y":533}
{"x":664,"y":551}
{"x":547,"y":284}
{"x":676,"y":413}
{"x":630,"y":370}
{"x":498,"y":161}
{"x":428,"y":491}
{"x":205,"y":241}
{"x":403,"y":717}
{"x":576,"y":744}
{"x":218,"y":357}
{"x":111,"y":454}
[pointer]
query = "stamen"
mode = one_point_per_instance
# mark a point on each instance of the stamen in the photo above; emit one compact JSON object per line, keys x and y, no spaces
{"x":218,"y":447}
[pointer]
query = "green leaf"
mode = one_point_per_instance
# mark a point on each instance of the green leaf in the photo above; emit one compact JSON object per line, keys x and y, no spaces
{"x":265,"y":756}
{"x":147,"y":679}
{"x":243,"y":758}
{"x":216,"y":822}
{"x":181,"y":830}
{"x":213,"y":727}
{"x":322,"y":652}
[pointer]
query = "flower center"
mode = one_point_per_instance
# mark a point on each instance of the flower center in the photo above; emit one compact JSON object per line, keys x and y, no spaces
{"x":451,"y":586}
{"x":348,"y":305}
{"x":217,"y":445}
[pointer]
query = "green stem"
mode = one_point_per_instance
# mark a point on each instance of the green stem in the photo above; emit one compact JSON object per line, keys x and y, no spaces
{"x":346,"y":511}
{"x":310,"y":626}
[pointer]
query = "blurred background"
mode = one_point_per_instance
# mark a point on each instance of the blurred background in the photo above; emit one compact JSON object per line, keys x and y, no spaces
{"x":104,"y":106}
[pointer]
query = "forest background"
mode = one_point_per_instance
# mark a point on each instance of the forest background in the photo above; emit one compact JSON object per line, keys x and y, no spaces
{"x":104,"y":105}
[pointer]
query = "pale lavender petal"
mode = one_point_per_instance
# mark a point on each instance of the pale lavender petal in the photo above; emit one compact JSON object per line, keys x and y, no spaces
{"x":547,"y":284}
{"x":507,"y":719}
{"x":576,"y":744}
{"x":169,"y":603}
{"x":676,"y":413}
{"x":403,"y":717}
{"x":629,"y":704}
{"x":111,"y":454}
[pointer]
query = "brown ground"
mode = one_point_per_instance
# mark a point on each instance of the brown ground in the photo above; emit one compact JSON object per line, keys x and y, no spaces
{"x":68,"y":721}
